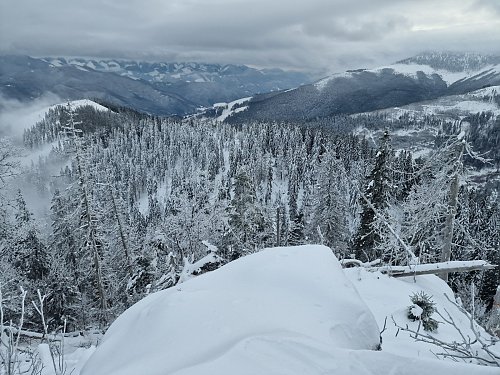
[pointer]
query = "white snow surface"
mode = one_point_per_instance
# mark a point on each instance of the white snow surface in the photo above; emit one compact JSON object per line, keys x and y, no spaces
{"x":280,"y":311}
{"x":228,"y":108}
{"x":322,"y":83}
{"x":81,"y":103}
{"x":411,"y":70}
{"x":390,"y":297}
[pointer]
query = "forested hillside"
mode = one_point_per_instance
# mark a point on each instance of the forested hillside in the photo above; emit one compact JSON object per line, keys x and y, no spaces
{"x":139,"y":202}
{"x":424,"y":77}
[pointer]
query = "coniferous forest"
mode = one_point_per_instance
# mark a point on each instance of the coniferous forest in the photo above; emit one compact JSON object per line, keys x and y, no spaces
{"x":136,"y":202}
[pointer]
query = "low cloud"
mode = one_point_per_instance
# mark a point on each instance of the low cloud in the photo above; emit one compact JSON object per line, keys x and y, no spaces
{"x":16,"y":116}
{"x":314,"y":35}
{"x":491,"y":5}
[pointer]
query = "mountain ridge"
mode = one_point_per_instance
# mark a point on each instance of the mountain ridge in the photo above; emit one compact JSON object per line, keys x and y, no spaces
{"x":149,"y":90}
{"x":365,"y":90}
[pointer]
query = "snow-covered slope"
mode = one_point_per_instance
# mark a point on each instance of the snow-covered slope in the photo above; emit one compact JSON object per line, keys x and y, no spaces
{"x":413,"y":70}
{"x":228,"y":109}
{"x":281,"y":311}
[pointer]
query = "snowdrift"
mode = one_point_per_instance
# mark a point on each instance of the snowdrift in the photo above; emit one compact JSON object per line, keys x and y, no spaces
{"x":281,"y":311}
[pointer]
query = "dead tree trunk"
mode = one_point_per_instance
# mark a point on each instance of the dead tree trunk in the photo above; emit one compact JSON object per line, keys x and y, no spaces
{"x":278,"y":226}
{"x":91,"y":240}
{"x":121,"y":233}
{"x":451,"y":211}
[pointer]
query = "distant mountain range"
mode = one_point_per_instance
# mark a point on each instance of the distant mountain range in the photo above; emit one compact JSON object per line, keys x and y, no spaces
{"x":427,"y":76}
{"x":156,"y":88}
{"x":269,"y":94}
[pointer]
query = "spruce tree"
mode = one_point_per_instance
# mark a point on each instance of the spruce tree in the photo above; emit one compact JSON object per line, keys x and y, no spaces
{"x":375,"y":196}
{"x":245,"y":218}
{"x":331,"y":206}
{"x":30,"y":253}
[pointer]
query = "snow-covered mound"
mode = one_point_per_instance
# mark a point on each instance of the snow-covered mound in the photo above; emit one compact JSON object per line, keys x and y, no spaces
{"x":250,"y":315}
{"x":281,"y":311}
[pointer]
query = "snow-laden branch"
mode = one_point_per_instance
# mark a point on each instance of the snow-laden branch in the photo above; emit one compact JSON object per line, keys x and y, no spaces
{"x":190,"y":268}
{"x":478,"y":348}
{"x":346,"y":263}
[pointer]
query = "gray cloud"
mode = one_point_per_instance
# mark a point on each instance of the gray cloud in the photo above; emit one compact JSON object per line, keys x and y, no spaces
{"x":353,"y":29}
{"x":321,"y":35}
{"x":492,"y":5}
{"x":16,"y":116}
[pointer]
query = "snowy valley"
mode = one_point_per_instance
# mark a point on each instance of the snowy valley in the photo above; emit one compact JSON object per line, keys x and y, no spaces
{"x":223,"y":241}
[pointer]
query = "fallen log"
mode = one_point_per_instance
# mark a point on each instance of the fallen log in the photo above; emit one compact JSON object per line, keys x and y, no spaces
{"x":434,"y":268}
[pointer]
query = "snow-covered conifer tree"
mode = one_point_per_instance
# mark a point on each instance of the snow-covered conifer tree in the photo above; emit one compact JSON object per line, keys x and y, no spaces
{"x":376,"y":195}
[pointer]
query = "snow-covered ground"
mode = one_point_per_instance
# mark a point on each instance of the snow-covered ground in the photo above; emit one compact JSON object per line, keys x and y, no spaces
{"x":322,"y":83}
{"x":390,"y":297}
{"x":281,"y":311}
{"x":411,"y":70}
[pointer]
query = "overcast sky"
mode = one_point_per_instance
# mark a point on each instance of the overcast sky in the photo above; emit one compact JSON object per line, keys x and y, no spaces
{"x":319,"y":35}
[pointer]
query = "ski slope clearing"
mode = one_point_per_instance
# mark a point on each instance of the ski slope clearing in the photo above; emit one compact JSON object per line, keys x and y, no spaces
{"x":228,"y":109}
{"x":281,"y":311}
